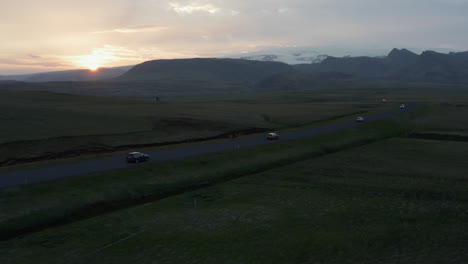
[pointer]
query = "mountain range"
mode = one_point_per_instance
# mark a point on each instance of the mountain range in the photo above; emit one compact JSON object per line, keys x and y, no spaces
{"x":288,"y":55}
{"x":401,"y":65}
{"x":209,"y":76}
{"x":301,"y":55}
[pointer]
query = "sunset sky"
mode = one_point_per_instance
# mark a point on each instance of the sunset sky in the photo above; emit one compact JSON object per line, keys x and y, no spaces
{"x":50,"y":35}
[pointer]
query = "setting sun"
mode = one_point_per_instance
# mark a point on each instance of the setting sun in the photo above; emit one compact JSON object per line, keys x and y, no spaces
{"x":91,"y":62}
{"x":93,"y":67}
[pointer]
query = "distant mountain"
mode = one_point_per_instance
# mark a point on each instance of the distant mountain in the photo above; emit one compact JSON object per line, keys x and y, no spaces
{"x":307,"y":55}
{"x":436,"y":67}
{"x":201,"y":77}
{"x":217,"y":70}
{"x":400,"y":65}
{"x":301,"y":55}
{"x":71,"y":75}
{"x":401,"y":57}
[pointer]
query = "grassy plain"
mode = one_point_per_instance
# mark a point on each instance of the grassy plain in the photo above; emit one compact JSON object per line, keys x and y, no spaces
{"x":45,"y":124}
{"x":36,"y":124}
{"x":63,"y":200}
{"x":329,"y":199}
{"x":395,"y":201}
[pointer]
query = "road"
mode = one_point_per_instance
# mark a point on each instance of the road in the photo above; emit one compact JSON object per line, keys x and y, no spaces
{"x":108,"y":164}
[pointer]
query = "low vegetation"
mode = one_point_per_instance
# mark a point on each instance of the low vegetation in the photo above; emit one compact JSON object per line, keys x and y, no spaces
{"x":445,"y":118}
{"x":39,"y":206}
{"x":375,"y":193}
{"x":41,"y":124}
{"x":396,"y":201}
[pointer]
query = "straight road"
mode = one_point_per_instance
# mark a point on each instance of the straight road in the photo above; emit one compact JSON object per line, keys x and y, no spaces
{"x":108,"y":164}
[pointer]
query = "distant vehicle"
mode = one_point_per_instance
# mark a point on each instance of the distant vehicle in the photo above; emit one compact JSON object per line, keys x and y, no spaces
{"x":402,"y":106}
{"x":360,"y":119}
{"x":135,"y":157}
{"x":273,"y":136}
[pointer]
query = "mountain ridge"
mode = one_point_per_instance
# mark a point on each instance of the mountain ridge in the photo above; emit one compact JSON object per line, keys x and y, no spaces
{"x":214,"y":76}
{"x":204,"y":69}
{"x":402,"y":65}
{"x":69,"y":75}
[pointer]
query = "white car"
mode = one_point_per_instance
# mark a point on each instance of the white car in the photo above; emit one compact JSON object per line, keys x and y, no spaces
{"x":360,"y":119}
{"x":273,"y":136}
{"x":402,"y":106}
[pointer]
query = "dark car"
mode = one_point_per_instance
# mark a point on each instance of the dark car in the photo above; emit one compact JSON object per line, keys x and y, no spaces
{"x":136,"y":157}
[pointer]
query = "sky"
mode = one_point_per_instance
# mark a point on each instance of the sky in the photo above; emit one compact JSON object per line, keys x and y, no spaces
{"x":49,"y":35}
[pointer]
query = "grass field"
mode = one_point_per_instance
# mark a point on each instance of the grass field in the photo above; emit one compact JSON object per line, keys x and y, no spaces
{"x":36,"y":124}
{"x":44,"y":124}
{"x":364,"y":195}
{"x":40,"y":205}
{"x":445,"y":119}
{"x":396,"y":201}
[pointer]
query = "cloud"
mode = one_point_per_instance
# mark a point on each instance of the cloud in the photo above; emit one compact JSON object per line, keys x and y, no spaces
{"x":34,"y":60}
{"x":58,"y":30}
{"x":136,"y":29}
{"x":109,"y":56}
{"x":192,"y":8}
{"x":34,"y":56}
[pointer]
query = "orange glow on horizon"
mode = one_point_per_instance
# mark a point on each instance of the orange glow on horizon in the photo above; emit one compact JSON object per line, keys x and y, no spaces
{"x":93,"y":68}
{"x":91,"y":62}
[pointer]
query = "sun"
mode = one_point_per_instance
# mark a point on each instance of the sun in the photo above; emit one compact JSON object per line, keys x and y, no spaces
{"x":99,"y":58}
{"x":90,"y":62}
{"x":93,"y":67}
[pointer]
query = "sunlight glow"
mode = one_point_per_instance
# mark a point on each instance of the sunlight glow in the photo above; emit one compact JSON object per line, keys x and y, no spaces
{"x":99,"y":58}
{"x":112,"y":56}
{"x":91,"y":62}
{"x":93,"y":67}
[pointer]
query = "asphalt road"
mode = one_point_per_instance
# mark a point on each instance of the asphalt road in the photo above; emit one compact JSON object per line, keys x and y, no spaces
{"x":108,"y":164}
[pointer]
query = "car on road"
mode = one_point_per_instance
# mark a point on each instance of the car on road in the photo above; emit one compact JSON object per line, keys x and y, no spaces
{"x":402,"y":106}
{"x":135,"y":157}
{"x":360,"y":119}
{"x":273,"y":136}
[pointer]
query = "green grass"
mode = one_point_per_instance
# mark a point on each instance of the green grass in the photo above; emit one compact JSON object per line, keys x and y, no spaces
{"x":444,"y":119}
{"x":43,"y":115}
{"x":43,"y":204}
{"x":395,"y":201}
{"x":32,"y":147}
{"x":318,"y":200}
{"x":35,"y":124}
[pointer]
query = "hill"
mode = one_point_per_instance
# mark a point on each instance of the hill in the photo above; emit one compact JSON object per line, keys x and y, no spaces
{"x":218,"y":70}
{"x":305,"y":81}
{"x":71,"y":75}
